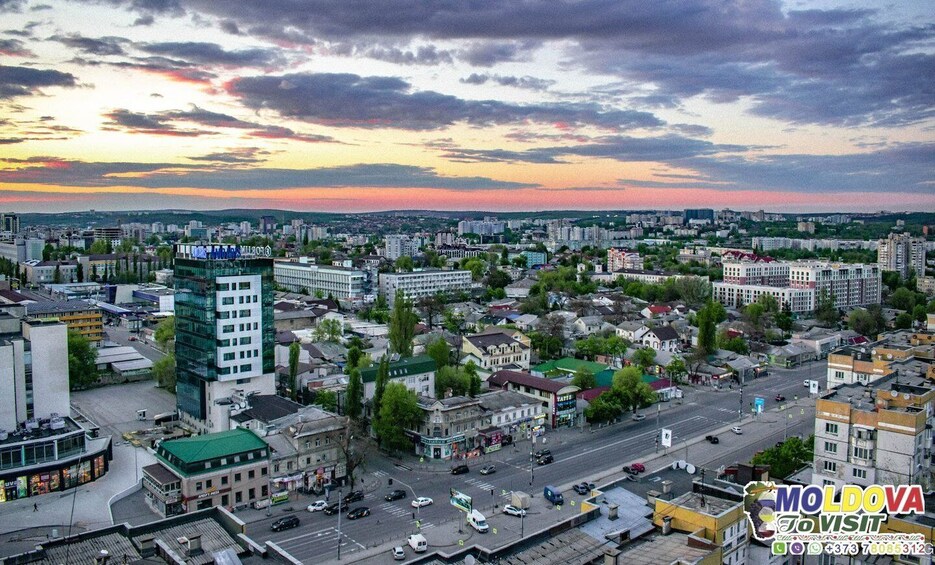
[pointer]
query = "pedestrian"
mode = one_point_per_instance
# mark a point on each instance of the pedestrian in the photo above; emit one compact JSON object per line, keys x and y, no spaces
{"x":35,"y":507}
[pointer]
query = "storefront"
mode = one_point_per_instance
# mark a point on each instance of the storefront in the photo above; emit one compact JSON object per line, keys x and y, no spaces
{"x":57,"y":476}
{"x":490,"y":439}
{"x":565,"y":410}
{"x":442,"y":447}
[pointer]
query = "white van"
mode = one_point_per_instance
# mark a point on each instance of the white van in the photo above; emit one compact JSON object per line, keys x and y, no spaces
{"x":417,"y":543}
{"x":478,"y":521}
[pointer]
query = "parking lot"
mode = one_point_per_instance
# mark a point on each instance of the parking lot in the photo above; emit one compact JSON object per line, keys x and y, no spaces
{"x":114,"y":407}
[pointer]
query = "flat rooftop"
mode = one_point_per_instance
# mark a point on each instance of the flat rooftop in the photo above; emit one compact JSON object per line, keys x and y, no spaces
{"x":672,"y":548}
{"x":44,"y":431}
{"x":709,"y":505}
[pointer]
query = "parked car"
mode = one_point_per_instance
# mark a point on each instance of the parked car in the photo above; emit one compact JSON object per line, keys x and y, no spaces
{"x":285,"y":523}
{"x":353,"y":496}
{"x":639,"y":417}
{"x":712,"y":439}
{"x":397,"y":494}
{"x":317,"y":505}
{"x":806,"y":383}
{"x":545,"y":459}
{"x":460,"y":469}
{"x":511,"y":510}
{"x":399,"y":554}
{"x":358,"y":513}
{"x":583,"y":487}
{"x":421,"y":501}
{"x":780,"y":398}
{"x":737,"y":430}
{"x":488,"y":469}
{"x":542,"y":453}
{"x":634,"y":469}
{"x":506,"y":440}
{"x":334,"y":508}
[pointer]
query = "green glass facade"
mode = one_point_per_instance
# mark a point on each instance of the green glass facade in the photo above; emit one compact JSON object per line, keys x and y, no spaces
{"x":196,"y":339}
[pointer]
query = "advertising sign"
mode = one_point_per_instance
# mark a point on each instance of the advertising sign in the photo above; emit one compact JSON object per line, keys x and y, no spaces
{"x":813,"y":387}
{"x":461,"y":501}
{"x":666,"y":437}
{"x":758,"y":404}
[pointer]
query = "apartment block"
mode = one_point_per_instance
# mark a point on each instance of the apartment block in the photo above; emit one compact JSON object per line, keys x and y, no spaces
{"x":878,"y":433}
{"x":758,"y":271}
{"x":848,"y":284}
{"x":80,"y":316}
{"x":418,"y":284}
{"x":718,"y":521}
{"x":618,"y":259}
{"x":415,"y":373}
{"x":902,"y":253}
{"x":737,"y":295}
{"x":340,"y":282}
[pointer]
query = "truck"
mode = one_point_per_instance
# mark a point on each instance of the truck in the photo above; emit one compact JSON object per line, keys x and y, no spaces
{"x":553,"y":495}
{"x":478,"y":522}
{"x":519,"y":499}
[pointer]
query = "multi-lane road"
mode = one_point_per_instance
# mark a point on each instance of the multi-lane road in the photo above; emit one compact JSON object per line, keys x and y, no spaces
{"x":579,"y":454}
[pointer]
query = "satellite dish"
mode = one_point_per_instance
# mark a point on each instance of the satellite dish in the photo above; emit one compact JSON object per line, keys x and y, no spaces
{"x":675,"y":465}
{"x":894,"y":394}
{"x":690,"y":468}
{"x":682,"y":463}
{"x":907,"y":396}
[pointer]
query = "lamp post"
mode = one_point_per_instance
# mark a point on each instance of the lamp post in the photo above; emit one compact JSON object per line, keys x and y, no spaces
{"x":740,"y":410}
{"x":269,"y":494}
{"x":339,"y":524}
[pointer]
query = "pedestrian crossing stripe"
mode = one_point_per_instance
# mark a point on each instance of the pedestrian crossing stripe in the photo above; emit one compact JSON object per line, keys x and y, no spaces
{"x":380,"y":473}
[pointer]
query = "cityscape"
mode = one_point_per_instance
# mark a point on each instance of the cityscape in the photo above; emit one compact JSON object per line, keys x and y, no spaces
{"x":526,"y":283}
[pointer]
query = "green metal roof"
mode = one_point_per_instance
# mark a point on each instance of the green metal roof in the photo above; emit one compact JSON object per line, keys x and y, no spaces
{"x":569,"y":365}
{"x":402,"y":368}
{"x":211,"y":446}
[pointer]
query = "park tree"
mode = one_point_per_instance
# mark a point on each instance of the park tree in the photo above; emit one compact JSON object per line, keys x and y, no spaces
{"x":165,"y":332}
{"x":164,"y":372}
{"x":439,"y":351}
{"x":294,"y":350}
{"x":644,"y":358}
{"x":584,"y":379}
{"x":329,"y":330}
{"x":695,"y":291}
{"x":707,"y":327}
{"x":327,"y":400}
{"x":82,"y":361}
{"x":402,"y":327}
{"x":379,"y":385}
{"x":630,"y":390}
{"x":676,"y":369}
{"x":602,"y":409}
{"x":354,"y":397}
{"x":399,"y":411}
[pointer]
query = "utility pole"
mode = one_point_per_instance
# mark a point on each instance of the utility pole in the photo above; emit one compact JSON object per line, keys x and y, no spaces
{"x":339,"y":524}
{"x":740,"y":411}
{"x":658,"y":429}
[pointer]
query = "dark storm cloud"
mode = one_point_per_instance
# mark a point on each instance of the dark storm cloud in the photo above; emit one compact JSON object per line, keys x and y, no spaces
{"x":175,"y":70}
{"x":238,"y":156}
{"x":23,"y":81}
{"x":230,"y":27}
{"x":136,"y":122}
{"x":63,"y":172}
{"x":387,"y":102}
{"x":214,"y":54}
{"x":93,"y":46}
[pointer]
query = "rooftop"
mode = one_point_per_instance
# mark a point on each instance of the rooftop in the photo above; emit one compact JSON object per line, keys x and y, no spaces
{"x":212,"y":446}
{"x":708,"y":505}
{"x":43,"y":429}
{"x":268,"y":407}
{"x":59,"y":307}
{"x":485,"y":340}
{"x":671,"y":548}
{"x":402,"y":368}
{"x":500,"y":378}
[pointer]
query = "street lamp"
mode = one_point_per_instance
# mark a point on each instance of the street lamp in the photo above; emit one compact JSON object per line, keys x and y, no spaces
{"x":339,"y":524}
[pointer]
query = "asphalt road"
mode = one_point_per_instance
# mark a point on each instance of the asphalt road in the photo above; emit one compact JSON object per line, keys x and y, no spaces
{"x":121,"y":335}
{"x":579,"y":454}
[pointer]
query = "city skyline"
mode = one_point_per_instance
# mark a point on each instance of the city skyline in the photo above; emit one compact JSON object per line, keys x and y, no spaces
{"x":336,"y":107}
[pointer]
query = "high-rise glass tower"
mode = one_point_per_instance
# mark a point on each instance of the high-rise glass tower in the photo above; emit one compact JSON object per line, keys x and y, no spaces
{"x":224,"y":333}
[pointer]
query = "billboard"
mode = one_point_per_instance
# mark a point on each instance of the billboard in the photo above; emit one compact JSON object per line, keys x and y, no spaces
{"x":461,"y":501}
{"x":813,"y":387}
{"x":758,"y":403}
{"x":666,"y":437}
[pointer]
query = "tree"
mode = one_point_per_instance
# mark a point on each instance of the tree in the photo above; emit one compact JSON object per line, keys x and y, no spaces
{"x":695,"y":291}
{"x":379,"y":386}
{"x":82,"y":361}
{"x":903,"y":299}
{"x":676,"y":369}
{"x":476,"y":266}
{"x":451,"y":378}
{"x":404,"y":264}
{"x":552,"y":327}
{"x":354,"y":397}
{"x":630,"y":390}
{"x":584,"y":379}
{"x":329,"y":330}
{"x":432,"y":306}
{"x":787,"y":457}
{"x":57,"y":274}
{"x":439,"y":351}
{"x":903,"y":321}
{"x":498,"y":279}
{"x":768,"y":302}
{"x":399,"y":412}
{"x":825,"y":311}
{"x":353,"y":450}
{"x":519,"y":261}
{"x":918,"y":312}
{"x":165,"y":332}
{"x":327,"y":400}
{"x":707,"y":327}
{"x":164,"y":372}
{"x":755,"y":315}
{"x":79,"y":272}
{"x":294,"y":349}
{"x":862,"y":322}
{"x":604,"y":408}
{"x":402,"y":326}
{"x":783,"y":320}
{"x":644,"y":358}
{"x":353,"y":358}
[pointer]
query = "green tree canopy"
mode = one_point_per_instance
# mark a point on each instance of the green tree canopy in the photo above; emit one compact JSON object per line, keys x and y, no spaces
{"x":825,"y":311}
{"x":329,"y":330}
{"x":402,"y":327}
{"x":903,"y":321}
{"x":165,"y":331}
{"x":476,"y":266}
{"x":379,"y":385}
{"x":82,"y":361}
{"x":644,"y":358}
{"x":439,"y":351}
{"x":584,"y":379}
{"x":354,"y":398}
{"x":327,"y":400}
{"x":602,"y":409}
{"x":903,"y":299}
{"x":404,"y":264}
{"x":630,"y":390}
{"x":294,"y":349}
{"x":676,"y":369}
{"x":399,"y":412}
{"x":786,"y":458}
{"x":498,"y":279}
{"x":164,"y":372}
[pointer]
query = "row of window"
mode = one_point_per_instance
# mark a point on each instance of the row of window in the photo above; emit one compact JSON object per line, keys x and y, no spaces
{"x":229,"y":300}
{"x":243,"y":327}
{"x":245,"y":368}
{"x":224,"y":314}
{"x":208,"y":484}
{"x":234,"y":286}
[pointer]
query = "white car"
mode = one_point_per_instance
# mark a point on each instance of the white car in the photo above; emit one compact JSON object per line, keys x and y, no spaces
{"x":317,"y":506}
{"x":513,"y":511}
{"x":421,"y":501}
{"x":639,"y":417}
{"x":736,"y":430}
{"x":399,"y":554}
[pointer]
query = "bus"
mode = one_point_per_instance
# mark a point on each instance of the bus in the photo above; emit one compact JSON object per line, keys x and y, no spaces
{"x":166,"y":418}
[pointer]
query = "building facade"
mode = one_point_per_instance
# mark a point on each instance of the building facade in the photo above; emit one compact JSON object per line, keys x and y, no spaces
{"x":557,"y":398}
{"x":224,"y":329}
{"x":340,"y":282}
{"x":449,"y":427}
{"x":496,"y":351}
{"x":415,"y":373}
{"x":418,"y":284}
{"x":618,"y":259}
{"x":902,"y":253}
{"x":80,"y":316}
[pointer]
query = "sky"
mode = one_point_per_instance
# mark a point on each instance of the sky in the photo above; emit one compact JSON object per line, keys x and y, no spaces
{"x":517,"y":105}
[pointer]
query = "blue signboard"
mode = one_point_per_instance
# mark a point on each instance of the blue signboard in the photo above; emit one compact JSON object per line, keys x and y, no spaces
{"x":758,"y":404}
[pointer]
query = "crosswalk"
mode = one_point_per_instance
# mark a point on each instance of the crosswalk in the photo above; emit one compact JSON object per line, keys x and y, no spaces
{"x":395,"y":509}
{"x":487,"y":487}
{"x":380,"y":473}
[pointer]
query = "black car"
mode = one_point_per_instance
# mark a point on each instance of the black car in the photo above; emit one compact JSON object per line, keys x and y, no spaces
{"x":506,"y":440}
{"x":353,"y":496}
{"x":542,"y":453}
{"x":285,"y":523}
{"x":712,"y":439}
{"x":545,"y":459}
{"x":334,"y":508}
{"x":397,"y":494}
{"x":459,"y":469}
{"x":358,"y":513}
{"x":583,"y":488}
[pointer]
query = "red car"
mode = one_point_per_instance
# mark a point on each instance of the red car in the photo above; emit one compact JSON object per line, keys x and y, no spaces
{"x":638,"y":467}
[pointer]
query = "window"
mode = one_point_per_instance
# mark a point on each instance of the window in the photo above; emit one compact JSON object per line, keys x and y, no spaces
{"x":238,"y":497}
{"x":244,"y":286}
{"x":244,"y":313}
{"x":859,"y":473}
{"x":223,"y":315}
{"x":227,"y":329}
{"x":251,"y":494}
{"x":263,"y":471}
{"x":227,"y":300}
{"x":236,"y":477}
{"x":208,"y":483}
{"x":245,"y":368}
{"x":228,"y":356}
{"x":224,"y":286}
{"x":863,"y":453}
{"x":318,"y":442}
{"x":246,"y":340}
{"x":831,"y":447}
{"x":831,"y":428}
{"x":830,"y":467}
{"x":839,"y":375}
{"x":251,"y":474}
{"x":198,"y":485}
{"x":223,"y":480}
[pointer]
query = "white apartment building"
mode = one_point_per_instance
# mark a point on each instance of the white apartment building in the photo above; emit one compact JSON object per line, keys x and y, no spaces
{"x":875,"y":434}
{"x":761,"y":272}
{"x":737,"y":295}
{"x":401,"y":246}
{"x":618,"y":259}
{"x":33,"y":370}
{"x":417,"y":284}
{"x":340,"y":282}
{"x":902,"y":253}
{"x":849,"y":284}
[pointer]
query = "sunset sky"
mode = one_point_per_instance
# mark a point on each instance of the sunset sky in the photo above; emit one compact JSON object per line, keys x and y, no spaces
{"x":352,"y":105}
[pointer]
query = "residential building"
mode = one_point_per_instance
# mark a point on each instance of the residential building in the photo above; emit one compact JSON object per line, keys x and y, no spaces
{"x":267,"y":224}
{"x":80,"y":316}
{"x":720,"y":522}
{"x":340,"y":282}
{"x":926,"y":285}
{"x":798,"y":301}
{"x":9,"y":223}
{"x":703,"y":214}
{"x":557,"y":398}
{"x":848,"y":284}
{"x":224,"y":337}
{"x":535,"y":258}
{"x":449,"y":426}
{"x":756,"y":270}
{"x":48,"y":272}
{"x":111,"y":235}
{"x":639,"y":275}
{"x":618,"y":259}
{"x":397,"y":246}
{"x":42,"y":449}
{"x":854,"y":364}
{"x":418,"y":284}
{"x":509,"y":410}
{"x":661,"y":338}
{"x":495,"y":351}
{"x":229,"y":469}
{"x":416,"y":373}
{"x":877,"y":433}
{"x":902,"y":253}
{"x":520,"y":288}
{"x":487,"y":226}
